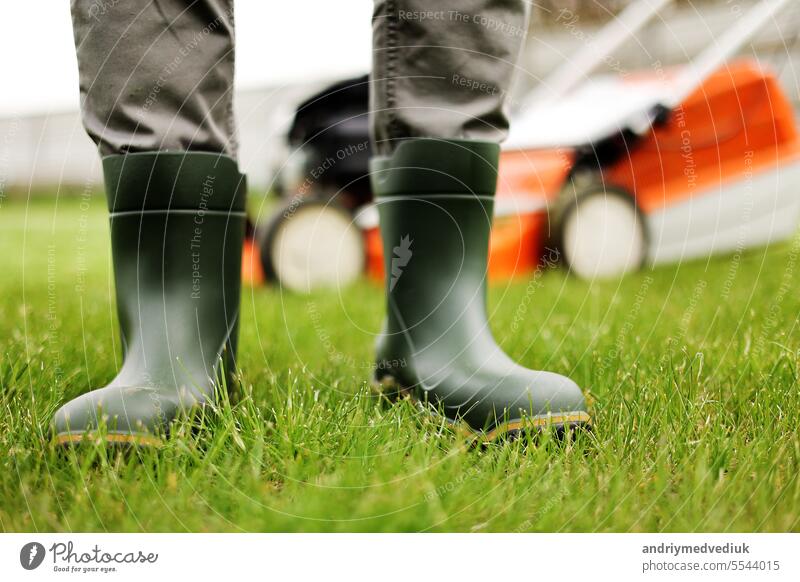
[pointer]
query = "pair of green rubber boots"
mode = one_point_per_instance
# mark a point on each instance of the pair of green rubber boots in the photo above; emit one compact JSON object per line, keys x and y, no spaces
{"x":177,"y":228}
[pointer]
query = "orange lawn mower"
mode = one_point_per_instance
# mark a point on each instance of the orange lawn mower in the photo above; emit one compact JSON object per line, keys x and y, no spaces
{"x":611,"y":173}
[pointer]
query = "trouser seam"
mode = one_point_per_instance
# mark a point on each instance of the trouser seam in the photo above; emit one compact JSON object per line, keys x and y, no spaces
{"x":391,"y":69}
{"x":233,"y":146}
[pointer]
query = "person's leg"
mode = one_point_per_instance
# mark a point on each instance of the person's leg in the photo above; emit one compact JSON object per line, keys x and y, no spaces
{"x":439,"y":87}
{"x":156,"y":82}
{"x":156,"y":76}
{"x":443,"y":69}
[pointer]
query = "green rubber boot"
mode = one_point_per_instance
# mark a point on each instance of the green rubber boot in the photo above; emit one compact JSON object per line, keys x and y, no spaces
{"x":177,"y":226}
{"x":435,"y":199}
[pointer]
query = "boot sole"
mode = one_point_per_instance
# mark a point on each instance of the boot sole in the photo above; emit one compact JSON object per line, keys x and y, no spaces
{"x":563,"y":422}
{"x":68,"y":440}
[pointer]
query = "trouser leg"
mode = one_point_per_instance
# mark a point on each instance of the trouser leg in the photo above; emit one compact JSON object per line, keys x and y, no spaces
{"x":443,"y":69}
{"x":156,"y":75}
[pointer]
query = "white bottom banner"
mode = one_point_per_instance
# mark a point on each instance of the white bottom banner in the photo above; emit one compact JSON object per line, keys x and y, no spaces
{"x":390,"y":557}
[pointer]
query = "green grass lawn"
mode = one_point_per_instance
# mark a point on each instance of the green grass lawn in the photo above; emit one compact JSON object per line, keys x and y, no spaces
{"x":691,"y":374}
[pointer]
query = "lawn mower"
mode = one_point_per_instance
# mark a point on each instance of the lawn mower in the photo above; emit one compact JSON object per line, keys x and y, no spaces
{"x":664,"y":165}
{"x":608,"y":174}
{"x":312,"y":239}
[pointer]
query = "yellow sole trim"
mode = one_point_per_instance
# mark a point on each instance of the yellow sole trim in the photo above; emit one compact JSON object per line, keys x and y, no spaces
{"x":538,"y":422}
{"x":129,"y":439}
{"x":389,"y":384}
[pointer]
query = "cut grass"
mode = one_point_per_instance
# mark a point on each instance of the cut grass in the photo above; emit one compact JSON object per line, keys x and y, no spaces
{"x":691,"y":372}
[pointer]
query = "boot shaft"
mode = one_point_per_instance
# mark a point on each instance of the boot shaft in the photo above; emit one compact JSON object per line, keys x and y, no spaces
{"x":435,"y":199}
{"x":177,"y":227}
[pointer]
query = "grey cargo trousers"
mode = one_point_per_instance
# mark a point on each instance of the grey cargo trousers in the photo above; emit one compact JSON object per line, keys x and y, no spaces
{"x":158,"y":74}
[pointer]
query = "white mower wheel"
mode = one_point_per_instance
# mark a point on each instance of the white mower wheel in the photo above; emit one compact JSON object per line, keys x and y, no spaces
{"x":313,"y":244}
{"x":603,"y":234}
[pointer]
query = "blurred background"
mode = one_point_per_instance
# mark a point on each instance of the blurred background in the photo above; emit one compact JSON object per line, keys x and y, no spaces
{"x":287,"y":51}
